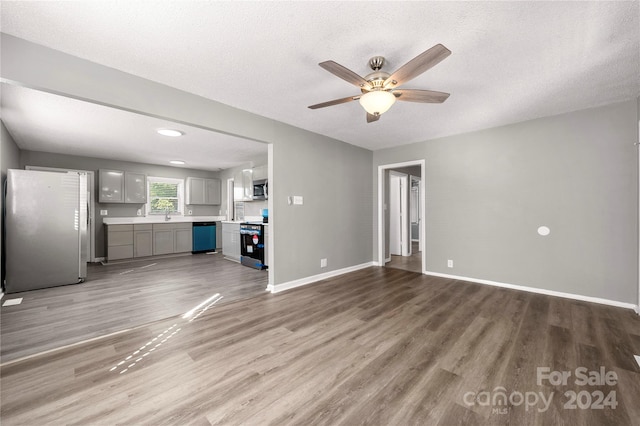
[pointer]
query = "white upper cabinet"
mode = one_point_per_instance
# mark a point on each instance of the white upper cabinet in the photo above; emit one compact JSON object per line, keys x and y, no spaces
{"x":260,"y":172}
{"x":202,"y":191}
{"x":195,"y":190}
{"x":243,"y":185}
{"x":135,"y":188}
{"x":117,"y":186}
{"x":111,"y":186}
{"x":243,"y":182}
{"x":247,"y":177}
{"x":212,"y":191}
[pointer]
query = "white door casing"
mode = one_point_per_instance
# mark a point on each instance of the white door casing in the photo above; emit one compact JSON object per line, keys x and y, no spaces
{"x":382,"y":207}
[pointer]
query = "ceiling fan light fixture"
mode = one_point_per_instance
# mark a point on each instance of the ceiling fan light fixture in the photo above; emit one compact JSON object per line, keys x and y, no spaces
{"x":377,"y":102}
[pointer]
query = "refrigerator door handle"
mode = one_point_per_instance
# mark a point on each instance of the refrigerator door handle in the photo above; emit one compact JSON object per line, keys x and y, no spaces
{"x":82,"y":231}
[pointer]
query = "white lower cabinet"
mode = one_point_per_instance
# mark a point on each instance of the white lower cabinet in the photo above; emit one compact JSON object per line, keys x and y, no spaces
{"x":162,"y":238}
{"x":231,"y":241}
{"x":142,"y":240}
{"x":182,"y":237}
{"x":172,"y":238}
{"x":147,"y":239}
{"x":119,"y":239}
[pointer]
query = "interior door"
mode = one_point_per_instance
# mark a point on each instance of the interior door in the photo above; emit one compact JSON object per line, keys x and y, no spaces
{"x":399,"y":235}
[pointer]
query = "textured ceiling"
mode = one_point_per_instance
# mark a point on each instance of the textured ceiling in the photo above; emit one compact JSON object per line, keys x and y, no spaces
{"x":511,"y":61}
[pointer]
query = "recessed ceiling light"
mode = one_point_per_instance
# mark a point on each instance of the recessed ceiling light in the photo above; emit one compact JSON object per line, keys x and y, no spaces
{"x":170,"y":132}
{"x":178,"y":162}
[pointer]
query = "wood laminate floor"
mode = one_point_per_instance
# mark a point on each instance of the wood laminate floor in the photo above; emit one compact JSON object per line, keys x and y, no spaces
{"x":378,"y":346}
{"x":120,"y":296}
{"x":408,"y":263}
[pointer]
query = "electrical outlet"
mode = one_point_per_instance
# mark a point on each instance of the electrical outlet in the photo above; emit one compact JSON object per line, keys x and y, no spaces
{"x":323,"y":263}
{"x":103,"y":212}
{"x":298,"y":200}
{"x":450,"y":263}
{"x":139,"y":212}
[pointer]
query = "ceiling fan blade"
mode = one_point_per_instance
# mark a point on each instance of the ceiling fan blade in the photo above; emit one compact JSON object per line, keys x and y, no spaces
{"x":417,"y":65}
{"x":425,"y":96}
{"x":335,"y":102}
{"x":345,"y":74}
{"x":371,"y":118}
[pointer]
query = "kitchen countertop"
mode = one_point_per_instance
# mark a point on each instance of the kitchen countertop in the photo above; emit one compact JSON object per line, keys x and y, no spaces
{"x":245,"y":221}
{"x":159,"y":219}
{"x":252,"y":219}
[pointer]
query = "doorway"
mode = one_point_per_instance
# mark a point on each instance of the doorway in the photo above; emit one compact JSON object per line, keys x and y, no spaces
{"x":401,"y":234}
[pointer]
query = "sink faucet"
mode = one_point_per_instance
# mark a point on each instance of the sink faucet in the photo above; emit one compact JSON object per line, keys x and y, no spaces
{"x":166,"y":216}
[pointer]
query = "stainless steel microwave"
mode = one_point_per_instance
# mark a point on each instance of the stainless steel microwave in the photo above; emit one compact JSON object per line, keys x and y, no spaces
{"x":260,"y":189}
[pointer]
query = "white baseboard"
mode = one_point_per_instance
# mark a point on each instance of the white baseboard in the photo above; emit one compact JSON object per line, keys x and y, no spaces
{"x":387,"y":260}
{"x":101,"y":259}
{"x":308,"y":280}
{"x":540,"y":291}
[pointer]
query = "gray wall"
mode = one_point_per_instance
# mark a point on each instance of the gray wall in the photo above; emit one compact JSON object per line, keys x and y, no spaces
{"x":335,"y":221}
{"x":9,"y":152}
{"x":487,"y":192}
{"x":45,"y":159}
{"x":9,"y":159}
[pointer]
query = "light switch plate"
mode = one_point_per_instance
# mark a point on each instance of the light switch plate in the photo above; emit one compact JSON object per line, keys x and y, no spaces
{"x":298,"y":200}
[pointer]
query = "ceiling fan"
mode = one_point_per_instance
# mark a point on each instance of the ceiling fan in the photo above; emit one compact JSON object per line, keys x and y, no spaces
{"x":379,"y":89}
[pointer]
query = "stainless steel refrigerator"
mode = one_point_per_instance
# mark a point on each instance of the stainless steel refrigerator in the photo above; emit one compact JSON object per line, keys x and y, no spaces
{"x":45,"y":229}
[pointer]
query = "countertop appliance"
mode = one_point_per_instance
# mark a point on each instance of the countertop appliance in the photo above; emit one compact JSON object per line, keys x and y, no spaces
{"x":252,"y":245}
{"x":204,"y":237}
{"x":260,"y":189}
{"x":46,"y":229}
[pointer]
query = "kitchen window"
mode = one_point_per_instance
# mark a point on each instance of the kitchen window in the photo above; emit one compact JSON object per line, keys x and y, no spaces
{"x":164,"y":195}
